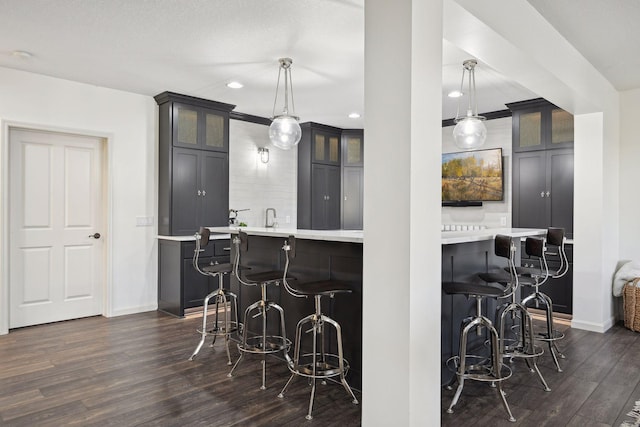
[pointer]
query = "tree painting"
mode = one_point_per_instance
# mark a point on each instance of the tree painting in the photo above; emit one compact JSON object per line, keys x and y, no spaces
{"x":472,"y":175}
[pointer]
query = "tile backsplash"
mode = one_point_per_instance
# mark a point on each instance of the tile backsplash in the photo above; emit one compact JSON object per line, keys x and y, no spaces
{"x":255,"y":185}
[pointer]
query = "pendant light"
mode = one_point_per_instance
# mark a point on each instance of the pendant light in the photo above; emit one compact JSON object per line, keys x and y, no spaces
{"x":470,"y":131}
{"x":285,"y":131}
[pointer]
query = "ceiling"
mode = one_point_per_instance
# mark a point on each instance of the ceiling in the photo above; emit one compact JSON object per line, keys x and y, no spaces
{"x":196,"y":48}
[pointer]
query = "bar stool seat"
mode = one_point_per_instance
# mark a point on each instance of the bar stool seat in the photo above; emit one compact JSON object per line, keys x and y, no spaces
{"x":318,"y":364}
{"x":221,"y":298}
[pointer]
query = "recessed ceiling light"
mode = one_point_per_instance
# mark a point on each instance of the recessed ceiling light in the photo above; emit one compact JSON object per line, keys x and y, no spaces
{"x":455,"y":94}
{"x":354,"y":115}
{"x":22,"y":54}
{"x":235,"y":85}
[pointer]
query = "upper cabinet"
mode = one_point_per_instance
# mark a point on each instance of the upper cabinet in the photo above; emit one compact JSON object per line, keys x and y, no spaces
{"x":326,"y":145}
{"x":330,"y":177}
{"x":540,"y":125}
{"x":352,"y":147}
{"x":200,"y":127}
{"x":193,"y":164}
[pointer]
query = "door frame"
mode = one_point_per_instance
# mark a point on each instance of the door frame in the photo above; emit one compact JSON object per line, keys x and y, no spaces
{"x":107,"y":138}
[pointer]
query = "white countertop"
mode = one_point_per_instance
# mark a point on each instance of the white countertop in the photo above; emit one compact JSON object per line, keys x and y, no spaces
{"x":357,"y":236}
{"x":352,"y":236}
{"x":452,"y":237}
{"x":192,"y":238}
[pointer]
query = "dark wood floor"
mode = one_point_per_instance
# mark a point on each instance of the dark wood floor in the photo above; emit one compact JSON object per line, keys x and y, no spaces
{"x":133,"y":370}
{"x":599,"y":384}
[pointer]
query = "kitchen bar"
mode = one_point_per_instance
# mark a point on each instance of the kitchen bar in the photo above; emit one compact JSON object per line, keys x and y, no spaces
{"x":337,"y":254}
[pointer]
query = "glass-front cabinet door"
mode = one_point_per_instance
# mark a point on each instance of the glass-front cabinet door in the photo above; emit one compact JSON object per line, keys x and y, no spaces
{"x":326,"y":148}
{"x":202,"y":128}
{"x":352,"y":148}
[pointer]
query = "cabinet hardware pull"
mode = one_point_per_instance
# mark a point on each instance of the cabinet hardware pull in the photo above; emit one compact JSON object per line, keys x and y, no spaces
{"x":199,"y":193}
{"x":548,"y":193}
{"x":542,"y":194}
{"x":204,"y":193}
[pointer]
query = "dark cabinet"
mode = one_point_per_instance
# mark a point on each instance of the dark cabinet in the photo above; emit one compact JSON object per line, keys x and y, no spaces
{"x":193,"y":164}
{"x":319,"y":182}
{"x":325,"y":146}
{"x":200,"y":127}
{"x":352,"y":148}
{"x":352,"y":179}
{"x":180,"y":286}
{"x":543,"y":189}
{"x":539,"y":125}
{"x":330,"y":177}
{"x":200,"y":188}
{"x":325,"y":190}
{"x":352,"y":197}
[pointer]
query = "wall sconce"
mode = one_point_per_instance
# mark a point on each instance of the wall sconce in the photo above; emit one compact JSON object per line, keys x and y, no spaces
{"x":264,"y":154}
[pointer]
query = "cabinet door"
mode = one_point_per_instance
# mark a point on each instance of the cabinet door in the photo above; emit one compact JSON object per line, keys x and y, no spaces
{"x":333,"y":198}
{"x":528,"y":129}
{"x":196,"y":286}
{"x":186,"y":126}
{"x":202,"y":128}
{"x":560,"y":188}
{"x":215,"y":189}
{"x":214,"y":130}
{"x":352,"y":198}
{"x":185,"y":203}
{"x":352,"y":148}
{"x":318,"y":196}
{"x":326,"y":148}
{"x":529,"y":190}
{"x":325,"y":197}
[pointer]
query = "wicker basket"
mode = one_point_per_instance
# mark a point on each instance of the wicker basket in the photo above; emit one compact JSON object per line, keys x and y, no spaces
{"x":631,"y":298}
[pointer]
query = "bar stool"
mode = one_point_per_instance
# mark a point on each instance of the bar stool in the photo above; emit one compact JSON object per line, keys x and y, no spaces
{"x":221,"y":296}
{"x":514,"y":343}
{"x":536,"y":248}
{"x":479,"y":367}
{"x":319,"y":364}
{"x":261,"y":343}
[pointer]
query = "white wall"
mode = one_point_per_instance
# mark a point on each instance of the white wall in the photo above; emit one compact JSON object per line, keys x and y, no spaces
{"x":256,"y":186}
{"x":629,"y":167}
{"x":490,"y":213}
{"x":129,"y":122}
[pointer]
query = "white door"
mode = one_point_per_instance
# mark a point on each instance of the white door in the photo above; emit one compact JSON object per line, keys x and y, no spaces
{"x":55,"y":208}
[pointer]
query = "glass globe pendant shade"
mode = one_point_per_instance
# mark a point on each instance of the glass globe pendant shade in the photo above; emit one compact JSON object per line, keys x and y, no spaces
{"x":285,"y":132}
{"x":470,"y":132}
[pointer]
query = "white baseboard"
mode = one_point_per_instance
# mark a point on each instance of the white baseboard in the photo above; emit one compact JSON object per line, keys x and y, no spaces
{"x":593,"y":327}
{"x":133,"y":310}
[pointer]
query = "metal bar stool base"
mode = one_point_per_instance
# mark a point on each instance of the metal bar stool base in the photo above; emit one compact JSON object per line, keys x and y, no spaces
{"x":221,"y":328}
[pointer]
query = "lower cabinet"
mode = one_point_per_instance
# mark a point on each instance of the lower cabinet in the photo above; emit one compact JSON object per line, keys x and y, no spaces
{"x":180,"y":286}
{"x":559,"y":290}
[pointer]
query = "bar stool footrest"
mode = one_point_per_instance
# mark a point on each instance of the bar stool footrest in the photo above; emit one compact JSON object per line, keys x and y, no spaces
{"x":482,"y":370}
{"x":327,"y":368}
{"x":271,"y":344}
{"x":516,"y":350}
{"x":221,"y":330}
{"x":544,"y":336}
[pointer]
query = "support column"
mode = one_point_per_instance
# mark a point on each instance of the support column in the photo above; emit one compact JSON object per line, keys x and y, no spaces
{"x":402,"y":210}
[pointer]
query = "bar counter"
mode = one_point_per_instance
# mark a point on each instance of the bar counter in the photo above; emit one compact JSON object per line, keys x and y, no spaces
{"x":337,"y":254}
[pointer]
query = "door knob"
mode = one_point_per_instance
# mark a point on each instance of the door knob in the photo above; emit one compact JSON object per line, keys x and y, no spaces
{"x":94,"y":236}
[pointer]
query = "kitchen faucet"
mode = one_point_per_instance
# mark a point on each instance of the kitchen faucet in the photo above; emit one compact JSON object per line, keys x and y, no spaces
{"x":233,"y":215}
{"x":273,"y":224}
